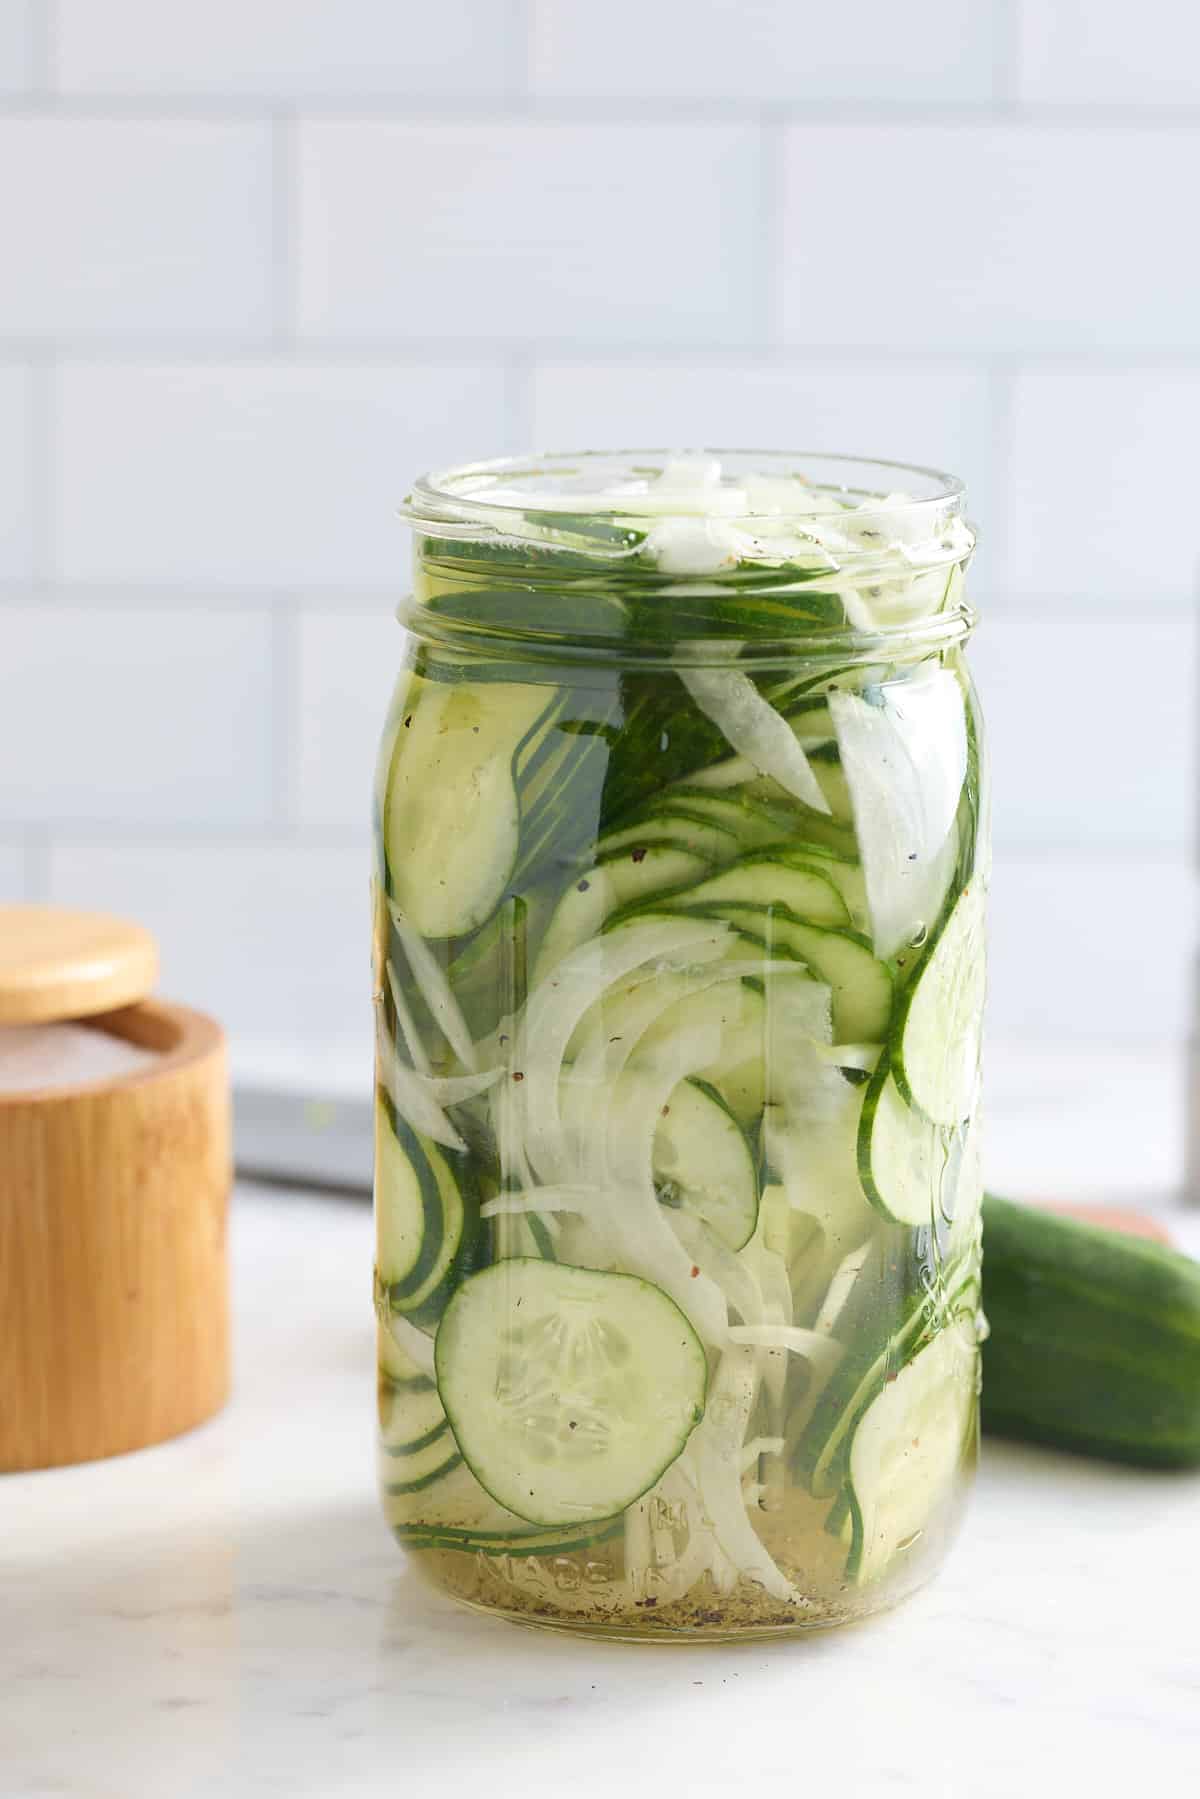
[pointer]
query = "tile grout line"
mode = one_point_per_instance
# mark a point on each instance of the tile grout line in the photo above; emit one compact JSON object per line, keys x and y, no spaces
{"x":612,"y":112}
{"x":148,"y":350}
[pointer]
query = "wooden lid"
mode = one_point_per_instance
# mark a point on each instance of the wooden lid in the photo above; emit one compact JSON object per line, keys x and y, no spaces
{"x":56,"y":963}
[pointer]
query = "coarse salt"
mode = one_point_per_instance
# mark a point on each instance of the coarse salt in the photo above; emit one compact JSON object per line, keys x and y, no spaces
{"x":39,"y":1056}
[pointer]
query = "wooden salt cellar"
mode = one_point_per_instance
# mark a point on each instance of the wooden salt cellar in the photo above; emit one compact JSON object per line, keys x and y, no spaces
{"x":114,"y":1312}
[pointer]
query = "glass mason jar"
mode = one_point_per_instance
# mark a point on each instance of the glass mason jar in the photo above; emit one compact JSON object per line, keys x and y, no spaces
{"x":680,"y":825}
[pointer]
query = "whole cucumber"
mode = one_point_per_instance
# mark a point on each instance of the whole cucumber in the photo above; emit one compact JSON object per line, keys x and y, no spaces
{"x":1095,"y":1339}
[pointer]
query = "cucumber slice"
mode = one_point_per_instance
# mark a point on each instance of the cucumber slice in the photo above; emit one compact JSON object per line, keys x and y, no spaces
{"x":901,"y":1155}
{"x":906,"y":1448}
{"x":677,"y":825}
{"x":408,"y":1204}
{"x":703,"y":1163}
{"x":826,"y":763}
{"x":822,"y":1451}
{"x":425,"y":1467}
{"x":626,"y":875}
{"x":845,"y":873}
{"x":569,"y":1392}
{"x":766,"y":880}
{"x":860,"y":984}
{"x":451,"y":814}
{"x":937,"y":1065}
{"x":524,"y":1543}
{"x":734,"y":1011}
{"x":410,"y":1419}
{"x":422,"y":1218}
{"x":752,"y":826}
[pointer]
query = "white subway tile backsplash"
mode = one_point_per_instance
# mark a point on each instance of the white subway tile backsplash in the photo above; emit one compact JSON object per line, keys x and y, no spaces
{"x":234,"y":237}
{"x":348,"y":667}
{"x":16,"y":45}
{"x":1010,"y":238}
{"x":274,"y":939}
{"x":12,"y":873}
{"x":1105,"y":483}
{"x":256,"y":474}
{"x":155,"y":718}
{"x":937,"y":413}
{"x":1090,"y":950}
{"x":1089,"y":51}
{"x":115,"y":227}
{"x":16,"y":475}
{"x":529,"y":232}
{"x":284,"y":48}
{"x":938,"y":50}
{"x":1091,"y":724}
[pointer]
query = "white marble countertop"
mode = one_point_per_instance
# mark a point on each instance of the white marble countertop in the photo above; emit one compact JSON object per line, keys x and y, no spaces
{"x":226,"y":1615}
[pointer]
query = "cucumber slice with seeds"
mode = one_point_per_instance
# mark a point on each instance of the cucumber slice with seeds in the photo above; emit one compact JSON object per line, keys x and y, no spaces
{"x":569,"y":1391}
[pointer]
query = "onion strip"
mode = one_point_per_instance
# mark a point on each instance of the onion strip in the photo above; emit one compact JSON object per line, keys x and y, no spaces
{"x":751,"y":726}
{"x":435,"y":989}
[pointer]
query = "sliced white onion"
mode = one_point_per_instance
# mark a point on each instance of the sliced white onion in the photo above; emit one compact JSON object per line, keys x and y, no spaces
{"x":753,"y":728}
{"x":407,"y":1023}
{"x":715,"y":1453}
{"x":905,"y":761}
{"x":584,"y":1200}
{"x":594,"y":1052}
{"x":409,"y":1093}
{"x":415,"y":1344}
{"x":435,"y":989}
{"x":647,"y":1244}
{"x":558,"y":1003}
{"x":810,"y":1344}
{"x":845,"y":1279}
{"x":451,"y":1088}
{"x":721,"y":1265}
{"x":757,"y":1447}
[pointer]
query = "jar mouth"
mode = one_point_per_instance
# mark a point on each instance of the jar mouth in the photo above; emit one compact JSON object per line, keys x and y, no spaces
{"x":713,"y":544}
{"x":736,"y":487}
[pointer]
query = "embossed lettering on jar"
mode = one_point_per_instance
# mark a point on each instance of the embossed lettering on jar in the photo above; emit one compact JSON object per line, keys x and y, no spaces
{"x":680,"y":825}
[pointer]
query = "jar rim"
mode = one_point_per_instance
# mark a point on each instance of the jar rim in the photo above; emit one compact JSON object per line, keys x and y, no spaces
{"x":487,"y":497}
